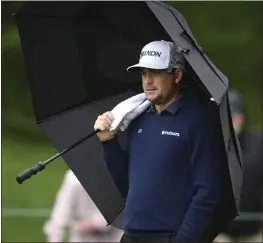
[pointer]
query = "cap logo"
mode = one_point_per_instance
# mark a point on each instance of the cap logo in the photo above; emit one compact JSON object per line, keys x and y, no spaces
{"x":150,"y":53}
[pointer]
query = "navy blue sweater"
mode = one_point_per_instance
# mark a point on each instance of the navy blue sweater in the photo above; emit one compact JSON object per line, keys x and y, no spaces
{"x":170,"y":170}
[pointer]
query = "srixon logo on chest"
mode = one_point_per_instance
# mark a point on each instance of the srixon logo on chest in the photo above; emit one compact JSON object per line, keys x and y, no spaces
{"x":151,"y":53}
{"x":177,"y":134}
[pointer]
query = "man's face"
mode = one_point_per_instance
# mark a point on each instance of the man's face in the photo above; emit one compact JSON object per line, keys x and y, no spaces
{"x":159,"y":85}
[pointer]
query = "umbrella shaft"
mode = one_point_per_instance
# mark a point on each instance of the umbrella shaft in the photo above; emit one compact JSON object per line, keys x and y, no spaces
{"x":71,"y":147}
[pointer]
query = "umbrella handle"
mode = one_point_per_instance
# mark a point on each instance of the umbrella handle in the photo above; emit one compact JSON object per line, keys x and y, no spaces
{"x":41,"y":165}
{"x":29,"y":172}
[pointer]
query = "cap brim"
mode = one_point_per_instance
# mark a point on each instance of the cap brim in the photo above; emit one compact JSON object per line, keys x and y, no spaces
{"x":134,"y":67}
{"x":150,"y":66}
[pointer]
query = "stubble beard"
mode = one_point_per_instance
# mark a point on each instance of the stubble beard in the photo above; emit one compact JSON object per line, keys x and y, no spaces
{"x":162,"y":100}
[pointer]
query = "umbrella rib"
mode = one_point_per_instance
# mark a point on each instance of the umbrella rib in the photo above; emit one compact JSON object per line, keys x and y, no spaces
{"x":78,"y":106}
{"x":190,"y":39}
{"x":116,"y":214}
{"x":41,"y":15}
{"x":232,"y":132}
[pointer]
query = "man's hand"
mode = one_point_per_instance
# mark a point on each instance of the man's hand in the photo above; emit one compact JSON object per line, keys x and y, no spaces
{"x":103,"y":124}
{"x":83,"y":226}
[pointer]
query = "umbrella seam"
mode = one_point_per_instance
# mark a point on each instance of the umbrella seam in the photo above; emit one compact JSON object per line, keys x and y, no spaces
{"x":189,"y":38}
{"x":67,"y":110}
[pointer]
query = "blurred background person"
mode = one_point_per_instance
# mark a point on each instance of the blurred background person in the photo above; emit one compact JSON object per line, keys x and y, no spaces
{"x":252,"y":189}
{"x":75,"y":211}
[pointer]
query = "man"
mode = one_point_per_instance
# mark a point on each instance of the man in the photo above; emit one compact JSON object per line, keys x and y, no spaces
{"x":170,"y":170}
{"x":252,"y":188}
{"x":74,"y":210}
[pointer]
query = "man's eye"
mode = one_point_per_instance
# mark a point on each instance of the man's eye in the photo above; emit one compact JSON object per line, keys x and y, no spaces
{"x":156,"y":71}
{"x":152,"y":72}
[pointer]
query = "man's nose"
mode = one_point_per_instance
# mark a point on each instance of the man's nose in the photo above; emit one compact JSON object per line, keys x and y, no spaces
{"x":148,"y":78}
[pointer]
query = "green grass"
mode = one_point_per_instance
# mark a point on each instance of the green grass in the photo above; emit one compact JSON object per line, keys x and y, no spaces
{"x":37,"y":192}
{"x":22,"y":230}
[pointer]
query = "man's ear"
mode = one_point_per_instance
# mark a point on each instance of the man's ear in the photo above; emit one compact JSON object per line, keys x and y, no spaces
{"x":178,"y":75}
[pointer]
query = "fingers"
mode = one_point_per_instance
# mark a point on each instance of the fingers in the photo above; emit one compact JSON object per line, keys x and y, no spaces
{"x":104,"y":121}
{"x":109,"y":115}
{"x":107,"y":119}
{"x":101,"y":127}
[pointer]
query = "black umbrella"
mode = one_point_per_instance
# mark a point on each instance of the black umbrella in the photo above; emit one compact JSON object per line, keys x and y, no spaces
{"x":76,"y":55}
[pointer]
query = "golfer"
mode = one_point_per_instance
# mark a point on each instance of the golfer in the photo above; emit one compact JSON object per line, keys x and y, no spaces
{"x":170,"y":170}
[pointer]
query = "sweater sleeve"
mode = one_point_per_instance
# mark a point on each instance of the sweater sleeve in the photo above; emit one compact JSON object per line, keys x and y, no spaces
{"x":116,"y":162}
{"x":207,"y":154}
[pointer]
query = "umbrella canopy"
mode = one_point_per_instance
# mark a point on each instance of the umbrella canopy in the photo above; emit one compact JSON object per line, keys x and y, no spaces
{"x":76,"y":55}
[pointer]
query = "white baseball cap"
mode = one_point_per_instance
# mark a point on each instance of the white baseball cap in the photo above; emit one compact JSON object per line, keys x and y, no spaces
{"x":160,"y":55}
